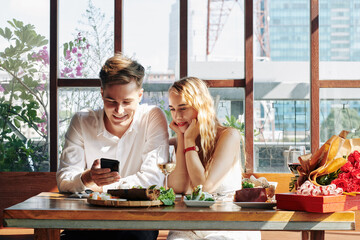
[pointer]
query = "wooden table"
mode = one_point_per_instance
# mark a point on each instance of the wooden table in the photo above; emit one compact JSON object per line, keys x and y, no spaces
{"x":47,"y":213}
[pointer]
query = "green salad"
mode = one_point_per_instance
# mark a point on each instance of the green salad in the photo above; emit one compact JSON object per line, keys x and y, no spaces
{"x":167,"y":197}
{"x":248,"y":185}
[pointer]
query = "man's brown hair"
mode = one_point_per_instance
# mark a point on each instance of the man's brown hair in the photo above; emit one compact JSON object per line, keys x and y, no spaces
{"x":120,"y":69}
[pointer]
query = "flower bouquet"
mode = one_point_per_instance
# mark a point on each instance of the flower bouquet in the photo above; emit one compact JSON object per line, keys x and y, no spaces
{"x":327,"y":177}
{"x":348,"y":176}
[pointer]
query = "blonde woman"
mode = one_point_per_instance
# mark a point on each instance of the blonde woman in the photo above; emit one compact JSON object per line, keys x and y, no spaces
{"x":207,"y":153}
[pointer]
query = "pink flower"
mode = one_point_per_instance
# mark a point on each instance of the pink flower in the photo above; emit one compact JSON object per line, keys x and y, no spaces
{"x":78,"y":70}
{"x":42,"y":125}
{"x":67,"y":56}
{"x":74,"y":50}
{"x":41,"y":87}
{"x":67,"y":70}
{"x":42,"y":56}
{"x":2,"y":89}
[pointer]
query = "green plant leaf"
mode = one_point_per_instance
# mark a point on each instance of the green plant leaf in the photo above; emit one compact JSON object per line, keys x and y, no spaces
{"x":71,"y":45}
{"x":18,"y":24}
{"x":8,"y":33}
{"x":2,"y":33}
{"x":17,"y":123}
{"x":66,"y":46}
{"x":11,"y":23}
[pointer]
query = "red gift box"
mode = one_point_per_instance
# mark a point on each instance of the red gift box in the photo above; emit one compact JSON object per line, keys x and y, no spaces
{"x":318,"y":204}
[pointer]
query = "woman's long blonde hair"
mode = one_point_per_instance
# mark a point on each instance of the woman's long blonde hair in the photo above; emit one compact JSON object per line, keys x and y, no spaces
{"x":197,"y":95}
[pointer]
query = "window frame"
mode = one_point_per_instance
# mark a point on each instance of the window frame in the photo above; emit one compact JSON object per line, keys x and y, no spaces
{"x":247,"y":83}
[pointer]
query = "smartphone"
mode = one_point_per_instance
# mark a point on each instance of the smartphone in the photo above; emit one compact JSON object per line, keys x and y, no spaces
{"x":113,"y":164}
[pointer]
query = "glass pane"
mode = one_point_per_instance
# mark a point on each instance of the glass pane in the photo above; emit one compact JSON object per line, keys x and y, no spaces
{"x":216,"y":39}
{"x":339,"y":111}
{"x":339,"y":39}
{"x":24,"y":71}
{"x":86,"y":37}
{"x":281,"y":83}
{"x":72,"y":100}
{"x":230,"y":105}
{"x":151,"y":36}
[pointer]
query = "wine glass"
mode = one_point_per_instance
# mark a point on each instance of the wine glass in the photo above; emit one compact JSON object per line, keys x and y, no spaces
{"x":166,"y":161}
{"x":292,"y":158}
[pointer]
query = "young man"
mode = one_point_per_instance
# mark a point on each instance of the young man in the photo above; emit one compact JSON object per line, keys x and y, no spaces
{"x":122,"y":130}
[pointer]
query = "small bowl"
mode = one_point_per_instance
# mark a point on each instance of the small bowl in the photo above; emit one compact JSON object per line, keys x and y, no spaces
{"x":293,"y":168}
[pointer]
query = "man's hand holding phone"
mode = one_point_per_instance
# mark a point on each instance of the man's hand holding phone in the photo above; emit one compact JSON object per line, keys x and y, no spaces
{"x":101,"y":174}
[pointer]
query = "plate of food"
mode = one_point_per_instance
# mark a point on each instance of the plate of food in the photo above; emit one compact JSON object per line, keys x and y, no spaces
{"x":134,"y":197}
{"x":198,"y":198}
{"x":256,"y":193}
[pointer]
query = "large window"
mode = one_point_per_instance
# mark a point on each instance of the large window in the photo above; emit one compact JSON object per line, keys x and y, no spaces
{"x":24,"y":86}
{"x":278,"y":70}
{"x":281,"y":83}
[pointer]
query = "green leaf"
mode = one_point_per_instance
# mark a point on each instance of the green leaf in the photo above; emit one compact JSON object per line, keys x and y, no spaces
{"x":2,"y":33}
{"x":17,"y":123}
{"x":11,"y":23}
{"x":32,"y":113}
{"x":66,"y":46}
{"x":8,"y":33}
{"x":71,"y":45}
{"x":18,"y":24}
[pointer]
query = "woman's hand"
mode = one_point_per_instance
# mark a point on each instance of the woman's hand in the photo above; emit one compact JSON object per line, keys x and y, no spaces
{"x":192,"y":132}
{"x":175,"y":127}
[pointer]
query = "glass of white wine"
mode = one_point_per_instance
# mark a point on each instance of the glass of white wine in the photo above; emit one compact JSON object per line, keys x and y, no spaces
{"x":166,"y":164}
{"x":292,"y":158}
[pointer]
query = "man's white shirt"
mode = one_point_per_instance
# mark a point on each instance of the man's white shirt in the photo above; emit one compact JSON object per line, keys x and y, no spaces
{"x":87,"y":140}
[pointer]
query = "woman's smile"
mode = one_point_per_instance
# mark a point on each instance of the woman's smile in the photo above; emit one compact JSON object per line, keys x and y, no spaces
{"x":181,"y":124}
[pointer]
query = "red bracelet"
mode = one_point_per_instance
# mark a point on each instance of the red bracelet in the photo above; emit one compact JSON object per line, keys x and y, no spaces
{"x":193,"y":148}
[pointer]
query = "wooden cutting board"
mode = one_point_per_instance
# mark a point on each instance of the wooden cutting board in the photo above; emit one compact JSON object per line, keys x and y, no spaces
{"x":113,"y":203}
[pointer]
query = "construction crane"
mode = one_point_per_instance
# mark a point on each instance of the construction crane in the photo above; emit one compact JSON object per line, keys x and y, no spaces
{"x":262,"y":27}
{"x":218,"y":13}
